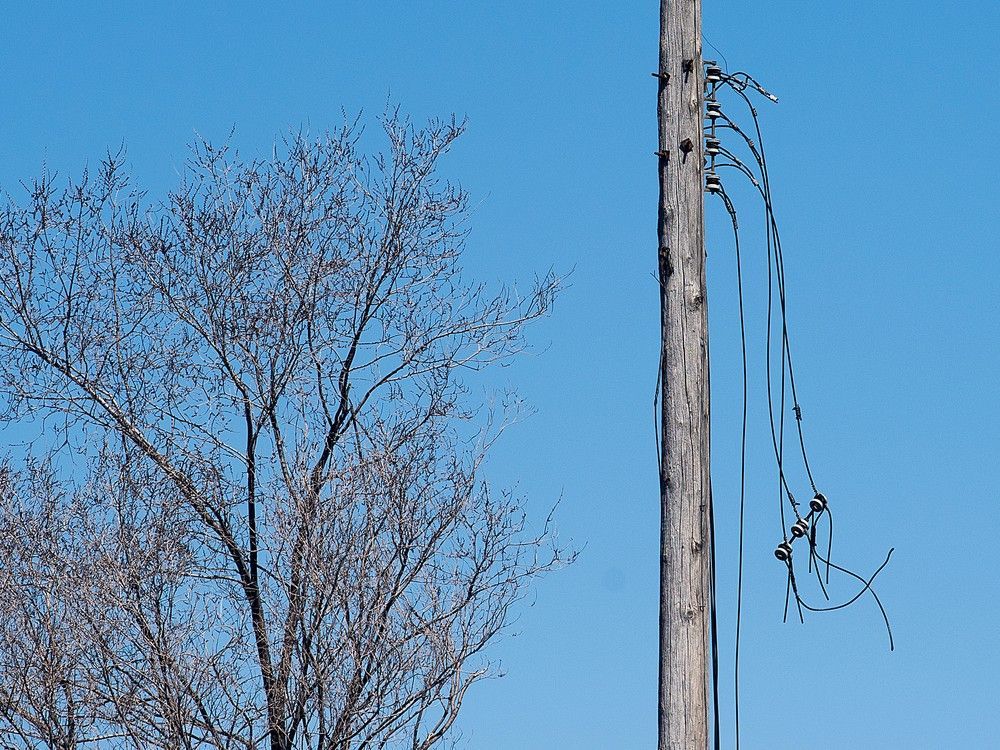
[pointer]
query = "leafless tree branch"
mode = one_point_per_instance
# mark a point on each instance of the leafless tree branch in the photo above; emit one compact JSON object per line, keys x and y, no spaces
{"x":256,"y":516}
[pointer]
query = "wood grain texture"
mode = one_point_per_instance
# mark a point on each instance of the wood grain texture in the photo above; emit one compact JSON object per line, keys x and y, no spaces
{"x":685,"y":484}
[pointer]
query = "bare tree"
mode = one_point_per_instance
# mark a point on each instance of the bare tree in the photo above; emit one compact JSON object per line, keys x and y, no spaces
{"x":254,"y":515}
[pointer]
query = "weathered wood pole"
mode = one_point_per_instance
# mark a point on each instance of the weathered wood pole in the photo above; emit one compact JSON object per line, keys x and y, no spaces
{"x":685,"y":485}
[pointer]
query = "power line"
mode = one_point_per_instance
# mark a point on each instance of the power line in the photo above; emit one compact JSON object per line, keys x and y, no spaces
{"x":805,"y":526}
{"x":743,"y":458}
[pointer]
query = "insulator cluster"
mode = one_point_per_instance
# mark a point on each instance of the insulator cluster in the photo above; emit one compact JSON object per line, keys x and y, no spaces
{"x":800,"y":528}
{"x":713,"y":111}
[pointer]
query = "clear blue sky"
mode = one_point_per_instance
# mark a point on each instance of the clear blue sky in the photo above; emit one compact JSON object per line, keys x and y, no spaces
{"x":882,"y":172}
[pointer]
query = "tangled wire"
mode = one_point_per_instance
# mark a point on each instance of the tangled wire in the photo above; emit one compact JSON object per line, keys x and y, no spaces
{"x":781,"y":390}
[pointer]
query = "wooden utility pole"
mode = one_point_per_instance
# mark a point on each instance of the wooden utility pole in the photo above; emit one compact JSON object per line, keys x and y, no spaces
{"x":685,"y":485}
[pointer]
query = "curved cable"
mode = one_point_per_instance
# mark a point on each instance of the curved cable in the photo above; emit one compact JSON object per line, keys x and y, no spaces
{"x":731,"y":209}
{"x":756,"y":171}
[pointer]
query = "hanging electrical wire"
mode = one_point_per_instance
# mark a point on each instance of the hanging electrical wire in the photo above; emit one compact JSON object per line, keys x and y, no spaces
{"x":743,"y":448}
{"x":805,"y":526}
{"x":713,"y":184}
